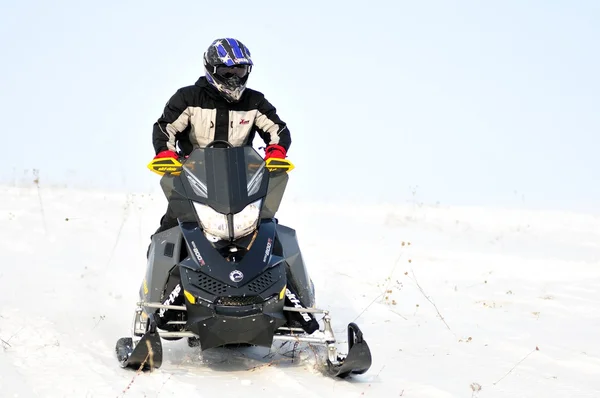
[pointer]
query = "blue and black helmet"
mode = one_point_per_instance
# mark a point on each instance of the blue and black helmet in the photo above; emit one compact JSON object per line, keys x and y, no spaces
{"x":228,"y":64}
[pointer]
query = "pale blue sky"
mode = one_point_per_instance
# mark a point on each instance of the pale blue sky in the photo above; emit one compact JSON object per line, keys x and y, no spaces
{"x":474,"y":102}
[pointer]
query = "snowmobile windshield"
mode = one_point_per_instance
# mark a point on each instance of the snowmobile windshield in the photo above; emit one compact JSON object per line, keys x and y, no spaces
{"x":226,"y":179}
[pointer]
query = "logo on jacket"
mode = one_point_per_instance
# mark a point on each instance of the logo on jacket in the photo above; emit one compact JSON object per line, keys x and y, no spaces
{"x":236,"y":276}
{"x":244,"y":121}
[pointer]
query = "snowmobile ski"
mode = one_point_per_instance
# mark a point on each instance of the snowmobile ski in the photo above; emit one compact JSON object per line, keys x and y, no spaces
{"x":146,"y":354}
{"x":358,"y":360}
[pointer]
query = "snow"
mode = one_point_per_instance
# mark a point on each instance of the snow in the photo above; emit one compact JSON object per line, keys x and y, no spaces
{"x":454,"y":302}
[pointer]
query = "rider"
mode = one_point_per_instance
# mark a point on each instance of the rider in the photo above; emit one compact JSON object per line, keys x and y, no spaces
{"x":218,"y":107}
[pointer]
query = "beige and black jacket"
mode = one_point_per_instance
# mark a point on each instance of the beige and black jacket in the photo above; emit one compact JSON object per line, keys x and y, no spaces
{"x":196,"y":115}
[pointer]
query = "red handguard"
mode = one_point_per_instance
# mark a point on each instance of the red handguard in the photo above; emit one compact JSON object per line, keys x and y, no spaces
{"x":166,"y":154}
{"x":275,"y":151}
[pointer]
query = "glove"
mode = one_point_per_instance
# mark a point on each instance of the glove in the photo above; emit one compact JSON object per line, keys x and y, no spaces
{"x":275,"y":151}
{"x":166,"y":154}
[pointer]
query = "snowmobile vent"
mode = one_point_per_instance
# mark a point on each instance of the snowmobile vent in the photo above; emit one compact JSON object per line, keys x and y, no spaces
{"x":238,"y":301}
{"x":216,"y":288}
{"x":210,"y":285}
{"x":262,"y":283}
{"x":169,"y":249}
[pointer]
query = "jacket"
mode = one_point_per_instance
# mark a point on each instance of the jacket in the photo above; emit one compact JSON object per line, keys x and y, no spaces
{"x":196,"y":115}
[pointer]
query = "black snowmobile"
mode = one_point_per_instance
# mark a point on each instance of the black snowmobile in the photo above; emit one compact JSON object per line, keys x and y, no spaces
{"x":229,"y":273}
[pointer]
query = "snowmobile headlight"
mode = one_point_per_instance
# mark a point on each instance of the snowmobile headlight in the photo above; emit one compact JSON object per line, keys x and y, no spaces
{"x":245,"y":221}
{"x":213,"y":222}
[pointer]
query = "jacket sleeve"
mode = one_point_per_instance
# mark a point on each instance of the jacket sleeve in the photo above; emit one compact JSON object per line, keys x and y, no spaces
{"x":270,"y":127}
{"x":174,"y":119}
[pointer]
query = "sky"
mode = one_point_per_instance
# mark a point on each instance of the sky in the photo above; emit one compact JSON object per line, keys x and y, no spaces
{"x":451,"y":103}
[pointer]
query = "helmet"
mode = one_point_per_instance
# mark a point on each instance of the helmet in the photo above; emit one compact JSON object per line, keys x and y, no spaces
{"x":228,"y":64}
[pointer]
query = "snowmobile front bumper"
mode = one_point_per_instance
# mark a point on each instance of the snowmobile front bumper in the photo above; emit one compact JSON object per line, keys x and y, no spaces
{"x":216,"y":326}
{"x":146,"y":352}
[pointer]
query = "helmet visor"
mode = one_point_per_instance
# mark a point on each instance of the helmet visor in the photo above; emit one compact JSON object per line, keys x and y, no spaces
{"x":231,"y":71}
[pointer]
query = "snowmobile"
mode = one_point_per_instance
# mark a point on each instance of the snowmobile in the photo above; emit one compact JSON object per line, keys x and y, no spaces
{"x":229,"y":273}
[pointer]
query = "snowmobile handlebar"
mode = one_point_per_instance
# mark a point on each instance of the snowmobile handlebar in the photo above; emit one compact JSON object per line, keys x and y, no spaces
{"x":171,"y":166}
{"x":219,"y":142}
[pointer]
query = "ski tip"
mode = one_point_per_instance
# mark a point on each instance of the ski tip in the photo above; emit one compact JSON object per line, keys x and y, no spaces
{"x":358,"y":360}
{"x":144,"y":355}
